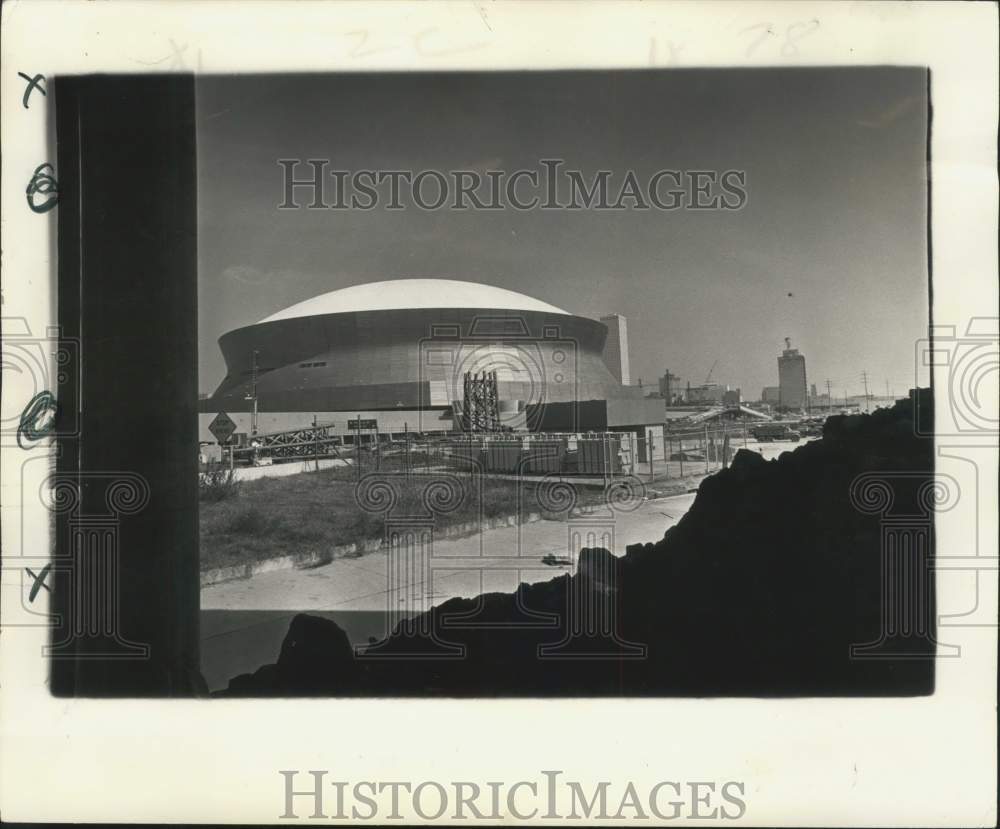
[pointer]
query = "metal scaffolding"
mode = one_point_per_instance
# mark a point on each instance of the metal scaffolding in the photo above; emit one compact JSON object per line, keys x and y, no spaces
{"x":294,"y":444}
{"x":481,"y":406}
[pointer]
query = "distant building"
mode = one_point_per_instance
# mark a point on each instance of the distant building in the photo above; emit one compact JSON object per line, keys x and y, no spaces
{"x":868,"y":403}
{"x":671,"y":389}
{"x":707,"y":393}
{"x":819,"y":401}
{"x":792,"y":378}
{"x":770,"y":394}
{"x":733,"y":397}
{"x":616,"y":348}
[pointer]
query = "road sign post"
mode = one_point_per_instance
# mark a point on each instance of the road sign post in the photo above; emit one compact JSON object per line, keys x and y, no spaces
{"x":222,"y":428}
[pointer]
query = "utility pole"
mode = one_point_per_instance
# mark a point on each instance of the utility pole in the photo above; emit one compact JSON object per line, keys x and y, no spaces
{"x":829,"y":396}
{"x":253,"y":393}
{"x":357,"y":446}
{"x":868,"y":397}
{"x":705,"y":444}
{"x":316,"y":447}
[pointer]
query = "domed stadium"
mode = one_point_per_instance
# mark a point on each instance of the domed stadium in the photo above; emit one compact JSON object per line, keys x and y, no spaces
{"x":399,"y":352}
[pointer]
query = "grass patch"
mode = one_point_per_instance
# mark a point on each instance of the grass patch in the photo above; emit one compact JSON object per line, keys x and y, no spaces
{"x":217,"y":485}
{"x":315,"y":511}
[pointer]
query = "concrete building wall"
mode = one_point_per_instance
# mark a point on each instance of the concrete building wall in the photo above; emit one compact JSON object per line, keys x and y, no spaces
{"x":652,"y":443}
{"x":616,"y":348}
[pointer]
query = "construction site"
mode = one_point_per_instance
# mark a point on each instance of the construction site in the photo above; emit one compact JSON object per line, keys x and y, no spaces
{"x":698,"y":443}
{"x":439,"y":558}
{"x":471,"y":447}
{"x":491,"y":388}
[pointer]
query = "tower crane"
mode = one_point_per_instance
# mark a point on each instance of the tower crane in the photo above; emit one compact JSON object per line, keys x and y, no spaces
{"x":710,"y":372}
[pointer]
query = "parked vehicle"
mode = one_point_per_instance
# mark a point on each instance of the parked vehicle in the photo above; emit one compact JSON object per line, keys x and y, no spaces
{"x":775,"y":431}
{"x":810,"y":429}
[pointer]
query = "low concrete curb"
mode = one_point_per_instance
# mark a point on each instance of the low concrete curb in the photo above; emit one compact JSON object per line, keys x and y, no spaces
{"x":317,"y":558}
{"x":284,"y":470}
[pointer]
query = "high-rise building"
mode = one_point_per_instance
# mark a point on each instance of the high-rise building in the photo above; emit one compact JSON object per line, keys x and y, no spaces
{"x":792,"y":378}
{"x":616,"y":348}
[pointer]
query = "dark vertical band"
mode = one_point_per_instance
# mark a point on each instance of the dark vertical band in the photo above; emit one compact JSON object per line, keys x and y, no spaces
{"x":127,"y":584}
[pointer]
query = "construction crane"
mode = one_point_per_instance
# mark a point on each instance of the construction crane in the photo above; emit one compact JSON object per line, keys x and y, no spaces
{"x":710,"y":372}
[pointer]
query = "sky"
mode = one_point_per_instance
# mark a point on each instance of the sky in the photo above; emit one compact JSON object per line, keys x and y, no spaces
{"x":830,"y":248}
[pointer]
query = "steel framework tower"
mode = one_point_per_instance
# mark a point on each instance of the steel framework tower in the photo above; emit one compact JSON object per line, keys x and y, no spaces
{"x":481,"y":407}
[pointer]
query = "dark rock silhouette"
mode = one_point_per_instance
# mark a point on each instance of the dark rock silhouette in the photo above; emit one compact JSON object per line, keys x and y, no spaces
{"x":761,"y":589}
{"x":316,"y":657}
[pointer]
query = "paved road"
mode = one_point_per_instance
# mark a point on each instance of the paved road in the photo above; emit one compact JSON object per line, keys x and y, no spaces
{"x":243,"y":622}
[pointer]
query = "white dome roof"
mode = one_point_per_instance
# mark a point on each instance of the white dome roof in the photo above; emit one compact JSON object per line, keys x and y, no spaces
{"x":402,"y":294}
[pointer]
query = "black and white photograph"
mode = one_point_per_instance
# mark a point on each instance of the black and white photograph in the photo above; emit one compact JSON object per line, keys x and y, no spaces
{"x":487,"y":380}
{"x":500,"y":412}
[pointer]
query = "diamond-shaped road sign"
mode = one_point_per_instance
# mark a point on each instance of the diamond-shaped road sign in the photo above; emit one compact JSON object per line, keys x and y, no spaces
{"x":222,"y":426}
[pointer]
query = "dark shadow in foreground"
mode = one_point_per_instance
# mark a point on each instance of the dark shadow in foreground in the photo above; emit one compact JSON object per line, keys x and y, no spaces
{"x":789,"y":577}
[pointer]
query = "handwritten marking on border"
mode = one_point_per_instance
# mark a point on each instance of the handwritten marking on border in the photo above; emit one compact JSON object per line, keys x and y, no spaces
{"x":33,"y":84}
{"x":39,"y":581}
{"x":42,"y":182}
{"x":32,"y":426}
